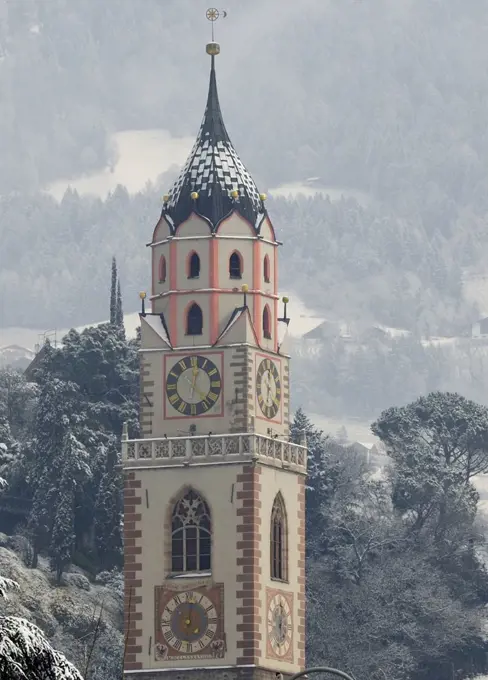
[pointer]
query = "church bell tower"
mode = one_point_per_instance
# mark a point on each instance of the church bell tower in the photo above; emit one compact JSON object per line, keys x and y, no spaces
{"x":214,"y":491}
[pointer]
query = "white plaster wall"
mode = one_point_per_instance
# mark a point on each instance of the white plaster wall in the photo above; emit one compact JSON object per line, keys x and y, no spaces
{"x":215,"y":484}
{"x":274,"y":481}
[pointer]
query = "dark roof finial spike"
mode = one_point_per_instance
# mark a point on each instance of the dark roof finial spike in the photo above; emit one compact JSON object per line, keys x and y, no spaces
{"x":213,"y":169}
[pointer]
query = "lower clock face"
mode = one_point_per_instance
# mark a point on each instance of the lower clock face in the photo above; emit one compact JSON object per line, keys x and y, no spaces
{"x":193,"y":385}
{"x":279,"y":625}
{"x":189,"y":622}
{"x":268,"y":388}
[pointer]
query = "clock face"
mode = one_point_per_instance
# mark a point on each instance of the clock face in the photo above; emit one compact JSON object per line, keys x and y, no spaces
{"x":279,"y":625}
{"x":193,"y":385}
{"x":268,"y":388}
{"x":189,"y":622}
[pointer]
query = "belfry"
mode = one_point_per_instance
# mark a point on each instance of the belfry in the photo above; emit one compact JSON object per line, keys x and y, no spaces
{"x":214,"y":505}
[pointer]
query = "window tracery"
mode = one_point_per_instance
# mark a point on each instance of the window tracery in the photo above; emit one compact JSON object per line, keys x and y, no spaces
{"x":191,"y":534}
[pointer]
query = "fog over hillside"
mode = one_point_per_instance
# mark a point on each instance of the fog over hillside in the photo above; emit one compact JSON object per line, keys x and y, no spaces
{"x":375,"y":111}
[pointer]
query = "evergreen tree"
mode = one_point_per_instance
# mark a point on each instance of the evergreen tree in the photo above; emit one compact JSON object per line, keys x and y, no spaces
{"x":6,"y":442}
{"x":63,"y":536}
{"x":119,"y":312}
{"x":50,"y":431}
{"x":113,"y":293}
{"x":57,"y":399}
{"x":108,"y":510}
{"x":72,"y":466}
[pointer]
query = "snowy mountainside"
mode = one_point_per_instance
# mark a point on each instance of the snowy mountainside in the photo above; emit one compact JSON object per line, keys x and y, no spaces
{"x":68,"y":614}
{"x":15,"y":356}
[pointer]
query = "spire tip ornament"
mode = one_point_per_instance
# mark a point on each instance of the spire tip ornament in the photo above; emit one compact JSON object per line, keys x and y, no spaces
{"x":212,"y":15}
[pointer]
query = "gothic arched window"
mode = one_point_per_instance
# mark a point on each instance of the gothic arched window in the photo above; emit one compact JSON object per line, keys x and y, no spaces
{"x":266,"y":269}
{"x":191,"y":534}
{"x":194,"y":266}
{"x":162,"y":269}
{"x":235,"y":266}
{"x":279,"y":538}
{"x":194,"y":320}
{"x":267,"y":323}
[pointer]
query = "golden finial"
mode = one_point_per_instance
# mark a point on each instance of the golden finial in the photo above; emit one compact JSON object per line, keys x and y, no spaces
{"x":245,"y":289}
{"x":142,"y":295}
{"x":212,"y":15}
{"x":166,"y":198}
{"x":194,"y":195}
{"x":234,"y":193}
{"x":263,"y":197}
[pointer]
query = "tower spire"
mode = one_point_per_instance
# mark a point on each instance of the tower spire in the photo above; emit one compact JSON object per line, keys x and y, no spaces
{"x":214,"y":182}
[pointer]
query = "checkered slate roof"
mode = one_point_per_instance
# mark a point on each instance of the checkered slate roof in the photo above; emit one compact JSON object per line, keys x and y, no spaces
{"x":214,"y":170}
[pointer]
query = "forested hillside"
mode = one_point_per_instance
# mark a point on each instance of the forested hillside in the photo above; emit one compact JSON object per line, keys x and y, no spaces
{"x":387,"y":98}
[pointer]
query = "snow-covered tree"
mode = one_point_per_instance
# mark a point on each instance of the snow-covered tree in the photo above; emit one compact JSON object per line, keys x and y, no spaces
{"x":51,"y":428}
{"x":108,"y":510}
{"x":72,"y":466}
{"x":25,"y":654}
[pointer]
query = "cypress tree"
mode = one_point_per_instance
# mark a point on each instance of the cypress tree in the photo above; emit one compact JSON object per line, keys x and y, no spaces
{"x":119,"y":313}
{"x":113,"y":293}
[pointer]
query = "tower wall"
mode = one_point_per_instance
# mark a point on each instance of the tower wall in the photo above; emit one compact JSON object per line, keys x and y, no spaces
{"x":214,"y":516}
{"x":240,"y":505}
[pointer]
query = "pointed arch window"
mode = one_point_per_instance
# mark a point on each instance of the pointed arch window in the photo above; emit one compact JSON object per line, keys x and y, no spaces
{"x":191,"y":534}
{"x":266,"y":269}
{"x":194,"y":320}
{"x":162,"y":269}
{"x":235,"y":266}
{"x":193,"y":266}
{"x":279,"y":539}
{"x":267,"y":323}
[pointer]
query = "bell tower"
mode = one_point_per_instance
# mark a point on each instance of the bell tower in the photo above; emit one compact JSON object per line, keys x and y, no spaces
{"x":214,"y":491}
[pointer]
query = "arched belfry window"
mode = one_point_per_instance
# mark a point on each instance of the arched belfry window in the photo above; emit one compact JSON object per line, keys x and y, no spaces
{"x":267,"y":322}
{"x":235,"y":266}
{"x":194,"y":320}
{"x":279,"y":538}
{"x":266,"y":269}
{"x":191,"y":534}
{"x":194,"y":266}
{"x":162,"y":269}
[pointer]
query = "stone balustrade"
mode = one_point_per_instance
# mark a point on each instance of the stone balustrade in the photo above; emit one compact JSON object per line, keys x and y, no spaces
{"x":210,"y":448}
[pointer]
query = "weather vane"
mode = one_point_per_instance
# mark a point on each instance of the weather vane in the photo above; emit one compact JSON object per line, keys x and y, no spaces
{"x":212,"y":15}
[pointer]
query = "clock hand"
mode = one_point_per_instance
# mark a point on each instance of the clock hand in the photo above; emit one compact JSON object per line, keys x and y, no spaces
{"x":195,"y":375}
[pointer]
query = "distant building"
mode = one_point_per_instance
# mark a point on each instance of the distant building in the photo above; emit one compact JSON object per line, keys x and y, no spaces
{"x":480,"y":328}
{"x":327,"y":330}
{"x":370,"y":450}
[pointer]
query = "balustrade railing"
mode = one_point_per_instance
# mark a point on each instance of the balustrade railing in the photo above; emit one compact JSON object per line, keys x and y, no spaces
{"x":226,"y":446}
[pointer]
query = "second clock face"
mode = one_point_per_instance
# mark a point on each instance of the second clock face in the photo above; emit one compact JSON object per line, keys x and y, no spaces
{"x":279,"y":625}
{"x":268,"y":388}
{"x":193,"y":385}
